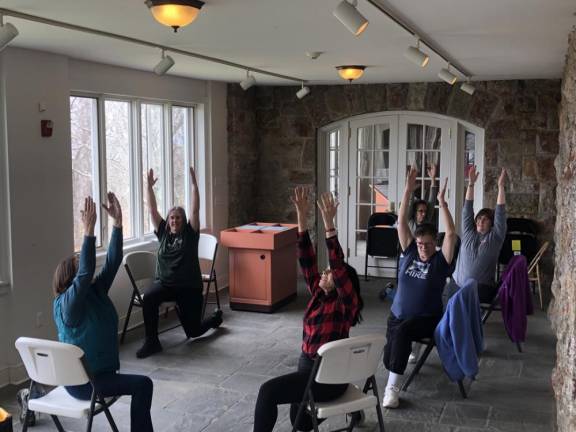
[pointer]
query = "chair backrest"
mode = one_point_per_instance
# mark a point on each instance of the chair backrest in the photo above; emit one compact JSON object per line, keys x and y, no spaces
{"x":521,"y":226}
{"x":388,"y":219}
{"x":140,"y":265}
{"x":537,"y":257}
{"x":528,"y":247}
{"x":348,"y":360}
{"x":207,"y":247}
{"x":52,"y":363}
{"x":382,"y":242}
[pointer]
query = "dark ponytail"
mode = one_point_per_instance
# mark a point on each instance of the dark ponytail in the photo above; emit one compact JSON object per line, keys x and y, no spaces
{"x":356,"y":285}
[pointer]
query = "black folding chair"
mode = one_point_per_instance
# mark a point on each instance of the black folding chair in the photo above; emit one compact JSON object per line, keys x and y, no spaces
{"x":382,"y":240}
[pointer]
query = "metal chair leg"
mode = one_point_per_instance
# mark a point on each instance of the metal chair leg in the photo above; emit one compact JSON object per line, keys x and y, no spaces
{"x":519,"y":346}
{"x":56,"y":421}
{"x":378,"y":405}
{"x":127,"y":319}
{"x":110,"y":419}
{"x":216,"y":291}
{"x":462,"y":389}
{"x":418,"y":366}
{"x":26,"y":420}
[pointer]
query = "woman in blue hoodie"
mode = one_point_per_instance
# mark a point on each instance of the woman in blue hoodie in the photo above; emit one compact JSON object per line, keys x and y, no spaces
{"x":86,"y":317}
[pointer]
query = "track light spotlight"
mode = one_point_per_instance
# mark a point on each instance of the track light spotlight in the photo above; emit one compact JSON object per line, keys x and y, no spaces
{"x":416,"y":56}
{"x":164,"y":65}
{"x":348,"y":15}
{"x":7,"y":33}
{"x":446,"y":75}
{"x":303,"y":92}
{"x":248,"y":82}
{"x":468,"y":88}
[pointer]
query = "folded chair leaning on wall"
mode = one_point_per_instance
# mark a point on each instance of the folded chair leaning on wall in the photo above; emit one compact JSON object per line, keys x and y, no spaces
{"x":345,"y":361}
{"x":59,"y":364}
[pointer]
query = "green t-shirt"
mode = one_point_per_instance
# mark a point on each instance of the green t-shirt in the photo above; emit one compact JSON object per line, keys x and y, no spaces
{"x":178,"y":263}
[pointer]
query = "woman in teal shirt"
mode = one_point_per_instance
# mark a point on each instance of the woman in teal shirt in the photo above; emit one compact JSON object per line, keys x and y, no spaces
{"x":86,"y":317}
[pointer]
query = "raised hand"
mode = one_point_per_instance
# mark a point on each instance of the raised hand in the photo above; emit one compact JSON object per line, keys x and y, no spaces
{"x":473,"y":175}
{"x":411,"y":179}
{"x":150,"y":178}
{"x":113,"y":209}
{"x":301,"y":200}
{"x":192,"y":175}
{"x":441,"y":194}
{"x":502,"y":178}
{"x":89,"y":216}
{"x":432,"y":171}
{"x":328,"y":207}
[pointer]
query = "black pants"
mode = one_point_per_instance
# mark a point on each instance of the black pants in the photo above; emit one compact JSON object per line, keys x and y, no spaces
{"x":140,"y":387}
{"x":290,"y":389}
{"x":189,"y":301}
{"x":399,"y":337}
{"x":486,"y":293}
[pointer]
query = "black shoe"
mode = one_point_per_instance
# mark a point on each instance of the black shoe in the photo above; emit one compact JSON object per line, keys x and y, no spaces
{"x":217,"y":318}
{"x":383,"y":294}
{"x":22,"y":398}
{"x":149,"y":348}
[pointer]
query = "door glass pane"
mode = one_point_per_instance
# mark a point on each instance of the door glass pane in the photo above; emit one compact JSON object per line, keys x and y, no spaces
{"x":363,"y":191}
{"x":432,"y":137}
{"x":414,"y":137}
{"x":152,"y":125}
{"x":180,"y":140}
{"x":118,"y":161}
{"x":360,"y":243}
{"x":383,"y":143}
{"x":414,"y":158}
{"x":365,"y":138}
{"x":363,"y":212}
{"x":364,"y":164}
{"x":381,"y":164}
{"x":381,"y":195}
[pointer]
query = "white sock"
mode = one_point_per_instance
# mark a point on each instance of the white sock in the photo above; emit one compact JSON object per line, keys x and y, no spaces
{"x":394,"y":380}
{"x":416,"y":346}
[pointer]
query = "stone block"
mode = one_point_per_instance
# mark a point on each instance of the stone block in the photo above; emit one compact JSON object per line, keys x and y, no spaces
{"x":397,"y":96}
{"x":459,"y":105}
{"x":437,"y":97}
{"x":525,"y":103}
{"x":537,"y":120}
{"x":528,"y":138}
{"x":417,"y":96}
{"x":529,"y":168}
{"x":522,"y":203}
{"x":548,"y":142}
{"x":336,"y":102}
{"x":491,"y":152}
{"x":547,"y":171}
{"x":503,"y":129}
{"x":503,"y":88}
{"x":483,"y":106}
{"x":375,"y":96}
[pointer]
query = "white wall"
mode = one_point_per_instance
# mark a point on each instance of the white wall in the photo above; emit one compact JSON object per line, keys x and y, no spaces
{"x":40,"y":177}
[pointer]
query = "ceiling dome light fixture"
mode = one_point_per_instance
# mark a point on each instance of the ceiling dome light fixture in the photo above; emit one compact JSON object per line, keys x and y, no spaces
{"x":467,"y":87}
{"x":416,"y":56}
{"x":303,"y":92}
{"x":164,"y":65}
{"x":348,"y":15}
{"x":350,"y":72}
{"x":447,"y":76}
{"x":248,"y":82}
{"x":7,"y":33}
{"x":174,"y":13}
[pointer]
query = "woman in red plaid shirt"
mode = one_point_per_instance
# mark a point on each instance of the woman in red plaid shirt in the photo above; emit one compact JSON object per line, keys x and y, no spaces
{"x":334,"y":307}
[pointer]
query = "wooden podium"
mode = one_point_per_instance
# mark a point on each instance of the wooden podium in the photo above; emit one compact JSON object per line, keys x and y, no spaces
{"x":262,"y":265}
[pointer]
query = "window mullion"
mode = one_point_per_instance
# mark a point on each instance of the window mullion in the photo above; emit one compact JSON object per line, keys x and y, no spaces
{"x":100,"y":170}
{"x":167,"y":157}
{"x":136,"y":180}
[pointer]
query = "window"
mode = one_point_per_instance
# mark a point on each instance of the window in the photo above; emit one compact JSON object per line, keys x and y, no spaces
{"x":114,"y":144}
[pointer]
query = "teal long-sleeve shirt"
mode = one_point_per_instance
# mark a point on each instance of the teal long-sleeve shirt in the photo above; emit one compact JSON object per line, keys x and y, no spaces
{"x":84,"y":314}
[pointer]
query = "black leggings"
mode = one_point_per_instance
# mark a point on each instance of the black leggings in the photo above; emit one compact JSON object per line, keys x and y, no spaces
{"x":189,"y":301}
{"x":290,"y":389}
{"x":399,"y":337}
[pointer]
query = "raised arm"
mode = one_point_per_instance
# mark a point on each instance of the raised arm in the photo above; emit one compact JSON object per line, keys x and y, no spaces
{"x":156,"y":218}
{"x":72,"y":300}
{"x":195,"y":204}
{"x":306,"y":253}
{"x":500,"y":226}
{"x":404,"y":233}
{"x":468,"y":225}
{"x":433,"y":192}
{"x":449,"y":243}
{"x":114,"y":255}
{"x":501,"y":200}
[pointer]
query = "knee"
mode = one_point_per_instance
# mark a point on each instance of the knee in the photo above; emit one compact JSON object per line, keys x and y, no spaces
{"x":266,"y":392}
{"x":145,"y":386}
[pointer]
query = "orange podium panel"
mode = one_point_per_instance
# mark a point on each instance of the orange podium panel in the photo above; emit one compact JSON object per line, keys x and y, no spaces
{"x":262,"y":265}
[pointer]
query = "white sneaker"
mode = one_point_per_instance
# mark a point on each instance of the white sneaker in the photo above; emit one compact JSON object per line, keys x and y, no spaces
{"x":391,"y":397}
{"x":413,"y":358}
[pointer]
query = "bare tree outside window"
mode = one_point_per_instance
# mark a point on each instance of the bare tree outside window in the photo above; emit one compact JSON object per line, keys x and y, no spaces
{"x":152,"y":124}
{"x":180,"y":134}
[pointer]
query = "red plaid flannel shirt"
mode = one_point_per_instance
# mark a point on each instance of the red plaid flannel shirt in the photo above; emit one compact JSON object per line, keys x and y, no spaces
{"x":328,"y":317}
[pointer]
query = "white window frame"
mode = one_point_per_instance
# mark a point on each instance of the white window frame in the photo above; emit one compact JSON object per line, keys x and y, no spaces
{"x":192,"y":155}
{"x":5,"y":231}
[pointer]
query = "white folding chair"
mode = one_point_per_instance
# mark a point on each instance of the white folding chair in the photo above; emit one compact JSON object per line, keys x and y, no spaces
{"x":141,"y":269}
{"x":207,"y":249}
{"x":344,"y":362}
{"x":59,"y":364}
{"x":534,"y":271}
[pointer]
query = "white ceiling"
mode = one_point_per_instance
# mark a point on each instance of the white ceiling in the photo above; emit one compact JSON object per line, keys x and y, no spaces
{"x":494,"y":39}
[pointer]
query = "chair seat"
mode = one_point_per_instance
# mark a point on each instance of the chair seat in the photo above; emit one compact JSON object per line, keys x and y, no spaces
{"x":352,"y":400}
{"x":206,"y":277}
{"x":59,"y":402}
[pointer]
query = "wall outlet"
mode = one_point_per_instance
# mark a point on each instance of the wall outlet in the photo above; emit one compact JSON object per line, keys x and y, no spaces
{"x":39,"y":319}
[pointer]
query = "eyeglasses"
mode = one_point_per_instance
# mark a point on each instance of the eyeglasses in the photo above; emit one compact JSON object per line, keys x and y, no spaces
{"x":425,"y":244}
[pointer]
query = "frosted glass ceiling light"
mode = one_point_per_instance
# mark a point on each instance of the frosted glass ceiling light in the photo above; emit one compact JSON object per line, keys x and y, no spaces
{"x":416,"y":56}
{"x":248,"y":82}
{"x":7,"y":33}
{"x":350,"y":72}
{"x":468,"y":88}
{"x":174,"y":13}
{"x":164,"y":65}
{"x":447,"y":76}
{"x":303,"y":92}
{"x":348,"y":15}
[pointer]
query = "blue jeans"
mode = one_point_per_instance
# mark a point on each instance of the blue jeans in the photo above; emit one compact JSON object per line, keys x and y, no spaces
{"x":114,"y":384}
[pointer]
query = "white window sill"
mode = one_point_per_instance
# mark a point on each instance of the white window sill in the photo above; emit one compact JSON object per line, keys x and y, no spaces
{"x":146,"y":245}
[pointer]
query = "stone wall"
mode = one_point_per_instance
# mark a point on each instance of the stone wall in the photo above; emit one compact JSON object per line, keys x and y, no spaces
{"x":563,"y":308}
{"x":273,"y":139}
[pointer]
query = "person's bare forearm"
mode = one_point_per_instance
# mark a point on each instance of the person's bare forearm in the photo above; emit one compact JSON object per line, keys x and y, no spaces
{"x":195,"y":205}
{"x":470,"y":191}
{"x":501,"y":200}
